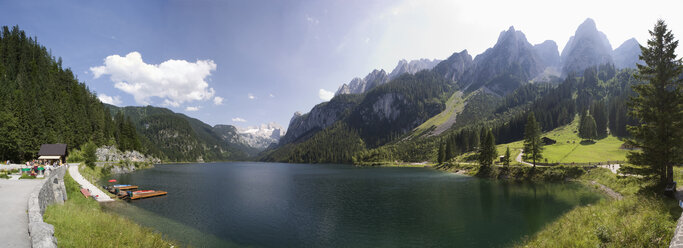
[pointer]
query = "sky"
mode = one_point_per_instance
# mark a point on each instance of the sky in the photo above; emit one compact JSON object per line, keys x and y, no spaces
{"x":246,"y":63}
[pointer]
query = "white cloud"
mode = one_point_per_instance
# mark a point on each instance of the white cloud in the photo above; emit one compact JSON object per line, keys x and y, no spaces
{"x":191,"y":108}
{"x":113,"y":100}
{"x":325,"y":95}
{"x":251,"y":96}
{"x":271,"y":95}
{"x":173,"y":81}
{"x":237,"y":119}
{"x":312,"y":20}
{"x":218,"y":100}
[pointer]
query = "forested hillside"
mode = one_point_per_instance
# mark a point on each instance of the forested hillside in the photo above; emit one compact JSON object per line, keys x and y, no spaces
{"x":177,"y":137}
{"x":43,"y":102}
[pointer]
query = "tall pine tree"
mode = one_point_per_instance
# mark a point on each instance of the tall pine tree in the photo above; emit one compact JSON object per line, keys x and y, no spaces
{"x":487,"y":152}
{"x":532,"y":139}
{"x":659,"y":108}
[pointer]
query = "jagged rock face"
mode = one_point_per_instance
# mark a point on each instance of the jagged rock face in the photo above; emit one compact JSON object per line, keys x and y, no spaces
{"x":455,"y":66}
{"x":513,"y":57}
{"x":358,"y":85}
{"x":548,"y":53}
{"x":110,"y":153}
{"x":412,"y":67}
{"x":321,"y":116}
{"x":588,"y":47}
{"x":386,"y":108}
{"x":626,"y":55}
{"x":228,"y":133}
{"x":262,"y":136}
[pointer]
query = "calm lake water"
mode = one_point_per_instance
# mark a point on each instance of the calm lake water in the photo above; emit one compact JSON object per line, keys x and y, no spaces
{"x":302,"y":205}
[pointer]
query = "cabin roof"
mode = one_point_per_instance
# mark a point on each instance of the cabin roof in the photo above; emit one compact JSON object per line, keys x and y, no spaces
{"x":52,"y":150}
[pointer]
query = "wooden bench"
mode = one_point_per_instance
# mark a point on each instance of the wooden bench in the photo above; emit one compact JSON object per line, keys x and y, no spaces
{"x":85,"y":192}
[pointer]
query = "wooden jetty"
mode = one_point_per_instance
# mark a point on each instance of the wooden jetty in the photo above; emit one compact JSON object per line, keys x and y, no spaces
{"x":146,"y":194}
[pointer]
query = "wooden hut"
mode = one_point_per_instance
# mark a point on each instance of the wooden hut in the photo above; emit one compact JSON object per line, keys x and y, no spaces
{"x":53,"y":152}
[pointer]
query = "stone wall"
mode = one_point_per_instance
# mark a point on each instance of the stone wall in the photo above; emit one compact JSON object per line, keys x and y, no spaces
{"x":51,"y":191}
{"x":677,"y":240}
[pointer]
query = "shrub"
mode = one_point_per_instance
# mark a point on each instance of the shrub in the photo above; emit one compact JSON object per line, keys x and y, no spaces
{"x":75,"y":156}
{"x":89,"y":150}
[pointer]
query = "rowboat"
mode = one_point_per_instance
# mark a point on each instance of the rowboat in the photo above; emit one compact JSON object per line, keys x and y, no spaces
{"x":140,"y":194}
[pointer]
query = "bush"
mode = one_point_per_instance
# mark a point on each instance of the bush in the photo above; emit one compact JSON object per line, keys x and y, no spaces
{"x":89,"y":150}
{"x":27,"y":176}
{"x":75,"y":156}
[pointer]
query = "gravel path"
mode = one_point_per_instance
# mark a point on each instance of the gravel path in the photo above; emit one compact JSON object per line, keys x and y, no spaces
{"x":14,"y":196}
{"x":95,"y":191}
{"x":519,"y":158}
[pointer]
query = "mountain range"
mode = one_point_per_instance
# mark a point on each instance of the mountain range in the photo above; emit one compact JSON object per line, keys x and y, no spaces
{"x":381,"y":108}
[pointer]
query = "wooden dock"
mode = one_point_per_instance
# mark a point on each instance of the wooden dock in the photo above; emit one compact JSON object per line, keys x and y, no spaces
{"x":136,"y":196}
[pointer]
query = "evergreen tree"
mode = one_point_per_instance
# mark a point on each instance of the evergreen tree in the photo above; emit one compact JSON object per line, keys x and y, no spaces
{"x":659,"y":108}
{"x":441,"y":156}
{"x":488,"y":152}
{"x":587,"y":127}
{"x":506,"y":158}
{"x":532,"y":139}
{"x":89,"y":154}
{"x":599,"y":113}
{"x":449,"y":151}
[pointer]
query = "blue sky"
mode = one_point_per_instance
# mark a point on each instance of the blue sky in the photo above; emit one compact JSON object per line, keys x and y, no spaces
{"x":252,"y":62}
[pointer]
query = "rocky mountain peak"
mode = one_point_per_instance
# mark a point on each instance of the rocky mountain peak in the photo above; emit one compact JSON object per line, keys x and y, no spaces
{"x":626,"y":55}
{"x":511,"y":37}
{"x":412,"y":67}
{"x":588,"y":47}
{"x":454,"y":67}
{"x":509,"y":63}
{"x":360,"y":85}
{"x":548,"y":52}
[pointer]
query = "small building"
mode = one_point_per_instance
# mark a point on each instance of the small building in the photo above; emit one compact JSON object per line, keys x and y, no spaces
{"x":52,"y":152}
{"x":548,"y":141}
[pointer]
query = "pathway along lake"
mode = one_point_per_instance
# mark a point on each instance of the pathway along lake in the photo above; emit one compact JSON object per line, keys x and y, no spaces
{"x":304,"y":205}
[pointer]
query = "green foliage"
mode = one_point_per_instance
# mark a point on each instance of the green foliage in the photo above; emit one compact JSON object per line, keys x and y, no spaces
{"x":27,"y":176}
{"x":337,"y":144}
{"x":488,"y":152}
{"x":75,"y":156}
{"x":173,"y":136}
{"x":442,"y":154}
{"x":89,"y":154}
{"x":506,"y":158}
{"x":659,"y":107}
{"x":532,"y":140}
{"x":632,"y":222}
{"x":599,"y":113}
{"x":587,"y":127}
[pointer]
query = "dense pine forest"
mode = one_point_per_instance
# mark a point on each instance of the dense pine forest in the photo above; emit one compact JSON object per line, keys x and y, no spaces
{"x":43,"y":102}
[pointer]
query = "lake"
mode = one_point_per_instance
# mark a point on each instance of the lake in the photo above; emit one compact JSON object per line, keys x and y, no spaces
{"x":303,"y":205}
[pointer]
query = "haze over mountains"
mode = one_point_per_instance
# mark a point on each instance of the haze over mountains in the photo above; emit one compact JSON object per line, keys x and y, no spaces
{"x":511,"y":63}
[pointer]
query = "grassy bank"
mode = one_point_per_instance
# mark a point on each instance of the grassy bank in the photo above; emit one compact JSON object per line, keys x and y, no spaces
{"x":80,"y":222}
{"x":395,"y":164}
{"x":635,"y":221}
{"x":516,"y":173}
{"x":641,"y":219}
